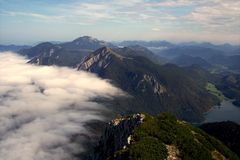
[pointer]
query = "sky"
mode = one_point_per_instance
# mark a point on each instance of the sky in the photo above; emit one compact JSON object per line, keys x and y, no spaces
{"x":32,"y":21}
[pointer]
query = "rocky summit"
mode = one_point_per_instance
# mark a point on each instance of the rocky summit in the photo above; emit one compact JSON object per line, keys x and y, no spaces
{"x":144,"y":137}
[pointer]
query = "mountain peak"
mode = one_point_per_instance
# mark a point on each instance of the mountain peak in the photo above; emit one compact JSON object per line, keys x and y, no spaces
{"x":44,"y":44}
{"x":86,"y":42}
{"x":85,"y":38}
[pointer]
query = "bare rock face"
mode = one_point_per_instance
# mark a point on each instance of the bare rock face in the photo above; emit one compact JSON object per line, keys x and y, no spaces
{"x":117,"y":136}
{"x":100,"y":59}
{"x":173,"y":152}
{"x":155,"y":85}
{"x":47,"y":56}
{"x":63,"y":54}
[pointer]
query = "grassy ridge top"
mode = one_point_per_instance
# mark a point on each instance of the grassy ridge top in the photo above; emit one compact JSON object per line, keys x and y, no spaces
{"x":164,"y":136}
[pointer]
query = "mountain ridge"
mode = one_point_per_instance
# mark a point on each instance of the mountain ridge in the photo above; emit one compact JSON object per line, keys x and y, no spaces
{"x":63,"y":54}
{"x":155,"y":88}
{"x":140,"y":136}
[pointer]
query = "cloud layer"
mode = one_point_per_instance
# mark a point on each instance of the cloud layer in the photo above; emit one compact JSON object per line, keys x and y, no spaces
{"x":209,"y":20}
{"x":120,"y":11}
{"x":41,"y":108}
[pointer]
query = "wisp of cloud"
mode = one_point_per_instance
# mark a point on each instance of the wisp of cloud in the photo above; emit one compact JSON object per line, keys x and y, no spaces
{"x":42,"y":107}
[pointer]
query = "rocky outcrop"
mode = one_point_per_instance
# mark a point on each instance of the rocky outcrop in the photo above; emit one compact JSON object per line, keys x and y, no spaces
{"x":153,"y":88}
{"x":47,"y":56}
{"x":117,"y":136}
{"x":173,"y":152}
{"x":63,"y":54}
{"x":155,"y":85}
{"x":162,"y":137}
{"x":100,"y":59}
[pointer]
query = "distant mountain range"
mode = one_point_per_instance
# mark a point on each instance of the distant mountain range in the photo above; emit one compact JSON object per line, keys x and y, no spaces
{"x":63,"y":54}
{"x":154,"y":88}
{"x":14,"y":48}
{"x":158,"y":46}
{"x":227,"y":48}
{"x":148,"y":44}
{"x":154,"y":85}
{"x":186,"y":60}
{"x":208,"y":58}
{"x":223,"y":57}
{"x":217,"y":58}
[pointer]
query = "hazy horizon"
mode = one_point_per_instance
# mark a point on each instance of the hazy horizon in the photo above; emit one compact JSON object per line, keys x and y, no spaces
{"x":117,"y":41}
{"x":215,"y":21}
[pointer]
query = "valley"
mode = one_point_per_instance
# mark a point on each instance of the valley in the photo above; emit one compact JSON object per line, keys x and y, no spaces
{"x":224,"y":112}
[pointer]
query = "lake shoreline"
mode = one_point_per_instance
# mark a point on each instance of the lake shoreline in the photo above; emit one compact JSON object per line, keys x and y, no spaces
{"x":226,"y":111}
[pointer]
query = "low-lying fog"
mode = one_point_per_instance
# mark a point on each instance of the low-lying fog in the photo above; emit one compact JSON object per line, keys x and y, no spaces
{"x":41,"y":107}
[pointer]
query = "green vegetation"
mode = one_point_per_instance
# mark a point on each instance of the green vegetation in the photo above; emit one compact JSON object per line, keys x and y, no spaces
{"x":230,"y":87}
{"x":228,"y":132}
{"x":148,"y":148}
{"x":213,"y":90}
{"x":185,"y":95}
{"x":152,"y":136}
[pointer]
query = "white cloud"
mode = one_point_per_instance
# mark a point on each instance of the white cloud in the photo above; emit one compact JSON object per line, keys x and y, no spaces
{"x":105,"y":17}
{"x":218,"y":15}
{"x":171,"y":3}
{"x":41,"y":108}
{"x":204,"y":12}
{"x":156,"y":29}
{"x":35,"y":15}
{"x":213,"y":12}
{"x":113,"y":11}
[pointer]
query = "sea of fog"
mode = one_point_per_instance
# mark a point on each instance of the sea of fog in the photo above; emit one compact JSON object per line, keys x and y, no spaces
{"x":43,"y":107}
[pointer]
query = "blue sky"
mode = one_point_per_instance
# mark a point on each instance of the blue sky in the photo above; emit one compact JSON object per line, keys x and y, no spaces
{"x":29,"y":21}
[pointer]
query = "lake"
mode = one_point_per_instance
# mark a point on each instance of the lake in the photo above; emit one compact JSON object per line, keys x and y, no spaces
{"x":227,"y":111}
